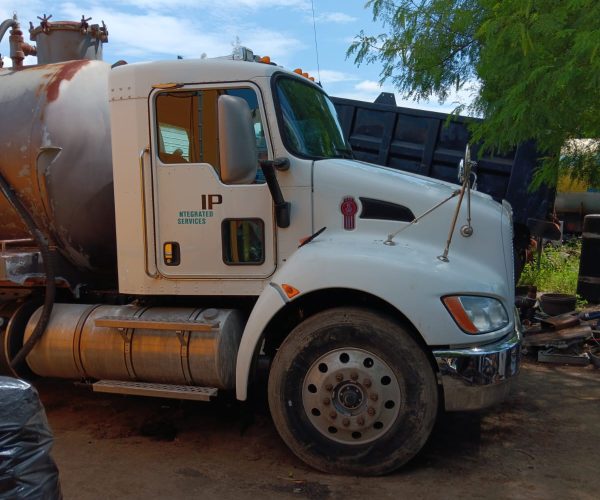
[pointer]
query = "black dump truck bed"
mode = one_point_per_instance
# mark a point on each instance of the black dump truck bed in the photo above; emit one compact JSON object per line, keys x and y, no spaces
{"x":426,"y":143}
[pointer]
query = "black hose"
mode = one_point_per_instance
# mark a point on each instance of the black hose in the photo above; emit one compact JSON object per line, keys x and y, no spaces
{"x":47,"y":261}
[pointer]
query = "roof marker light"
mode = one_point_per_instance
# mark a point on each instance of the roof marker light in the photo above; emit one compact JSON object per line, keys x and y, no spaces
{"x":167,"y":85}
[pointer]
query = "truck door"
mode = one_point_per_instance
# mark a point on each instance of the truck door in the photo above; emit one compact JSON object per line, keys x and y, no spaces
{"x":203,"y":227}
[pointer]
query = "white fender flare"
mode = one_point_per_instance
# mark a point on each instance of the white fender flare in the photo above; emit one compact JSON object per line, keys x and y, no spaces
{"x":411,"y":280}
{"x":268,"y":304}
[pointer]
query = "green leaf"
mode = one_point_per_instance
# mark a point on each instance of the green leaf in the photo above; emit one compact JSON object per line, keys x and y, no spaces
{"x":536,"y":61}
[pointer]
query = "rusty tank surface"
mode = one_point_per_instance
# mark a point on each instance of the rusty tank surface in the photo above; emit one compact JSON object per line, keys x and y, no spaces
{"x":55,"y":140}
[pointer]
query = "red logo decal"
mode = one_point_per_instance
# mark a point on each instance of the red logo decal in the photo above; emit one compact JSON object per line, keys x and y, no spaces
{"x":349,"y":209}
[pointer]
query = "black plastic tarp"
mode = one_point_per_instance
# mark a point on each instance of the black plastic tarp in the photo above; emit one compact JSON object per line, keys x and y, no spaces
{"x":27,"y":470}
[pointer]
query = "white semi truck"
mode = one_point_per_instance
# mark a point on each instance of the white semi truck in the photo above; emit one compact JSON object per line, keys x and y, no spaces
{"x":246,"y":237}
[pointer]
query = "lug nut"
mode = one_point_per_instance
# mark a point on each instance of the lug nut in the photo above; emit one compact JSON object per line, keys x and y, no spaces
{"x":371,"y":411}
{"x":339,"y":377}
{"x":326,"y":401}
{"x":367,"y":383}
{"x":346,"y":422}
{"x":360,"y":420}
{"x":332,"y":414}
{"x":329,"y":387}
{"x":374,"y":396}
{"x":354,"y":376}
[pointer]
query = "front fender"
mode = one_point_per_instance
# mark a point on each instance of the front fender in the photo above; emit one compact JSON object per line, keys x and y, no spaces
{"x":410,"y":278}
{"x":268,"y":304}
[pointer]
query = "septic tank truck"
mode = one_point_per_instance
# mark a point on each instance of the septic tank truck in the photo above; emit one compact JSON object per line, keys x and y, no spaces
{"x":175,"y":228}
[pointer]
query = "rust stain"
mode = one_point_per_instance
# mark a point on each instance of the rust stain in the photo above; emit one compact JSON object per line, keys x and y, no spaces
{"x":66,"y":72}
{"x":40,"y":88}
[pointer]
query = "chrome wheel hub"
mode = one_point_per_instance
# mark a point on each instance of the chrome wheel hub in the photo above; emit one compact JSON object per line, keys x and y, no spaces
{"x":351,"y":396}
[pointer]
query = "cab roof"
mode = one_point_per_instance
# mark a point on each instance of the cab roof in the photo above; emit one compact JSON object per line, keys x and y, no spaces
{"x":137,"y":80}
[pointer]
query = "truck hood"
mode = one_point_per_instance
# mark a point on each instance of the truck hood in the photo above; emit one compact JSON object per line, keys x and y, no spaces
{"x":377,"y":194}
{"x":415,"y":192}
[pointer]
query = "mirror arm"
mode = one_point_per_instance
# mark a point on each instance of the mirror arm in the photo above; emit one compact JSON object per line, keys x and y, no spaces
{"x":282,"y":207}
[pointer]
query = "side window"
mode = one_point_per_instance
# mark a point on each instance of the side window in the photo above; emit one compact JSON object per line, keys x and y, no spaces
{"x":187,"y":127}
{"x":243,"y":241}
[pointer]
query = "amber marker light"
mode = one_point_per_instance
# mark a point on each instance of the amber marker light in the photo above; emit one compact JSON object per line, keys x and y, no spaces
{"x":168,"y":251}
{"x":298,"y":71}
{"x":265,"y":60}
{"x":290,"y":291}
{"x":163,"y":86}
{"x":456,"y":309}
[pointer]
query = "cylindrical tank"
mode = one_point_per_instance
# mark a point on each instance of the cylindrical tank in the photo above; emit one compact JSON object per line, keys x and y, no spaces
{"x":588,"y":285}
{"x":56,"y":154}
{"x":74,"y":347}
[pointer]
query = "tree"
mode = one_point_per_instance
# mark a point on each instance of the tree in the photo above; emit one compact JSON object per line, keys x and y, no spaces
{"x":537,"y":63}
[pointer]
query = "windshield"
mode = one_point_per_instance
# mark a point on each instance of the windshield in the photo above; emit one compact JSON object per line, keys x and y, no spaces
{"x":310,"y":126}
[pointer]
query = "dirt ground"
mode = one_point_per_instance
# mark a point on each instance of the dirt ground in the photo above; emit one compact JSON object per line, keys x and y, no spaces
{"x":542,"y":443}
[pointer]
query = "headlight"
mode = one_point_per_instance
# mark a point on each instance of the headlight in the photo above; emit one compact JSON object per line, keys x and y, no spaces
{"x":476,"y":314}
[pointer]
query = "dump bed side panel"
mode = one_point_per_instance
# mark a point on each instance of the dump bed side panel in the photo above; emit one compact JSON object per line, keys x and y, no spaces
{"x":425,"y":143}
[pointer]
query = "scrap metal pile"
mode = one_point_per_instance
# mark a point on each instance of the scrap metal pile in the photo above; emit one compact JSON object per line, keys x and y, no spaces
{"x":556,"y":336}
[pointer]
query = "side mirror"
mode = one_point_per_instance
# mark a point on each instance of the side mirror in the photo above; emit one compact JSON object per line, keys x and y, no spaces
{"x":465,"y":165}
{"x":237,"y":142}
{"x":468,"y":154}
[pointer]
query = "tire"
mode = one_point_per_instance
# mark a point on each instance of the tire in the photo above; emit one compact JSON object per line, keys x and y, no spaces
{"x":351,"y":391}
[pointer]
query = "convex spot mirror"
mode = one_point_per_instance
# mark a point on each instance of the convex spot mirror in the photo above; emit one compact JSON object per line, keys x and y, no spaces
{"x":464,"y":166}
{"x":237,"y":141}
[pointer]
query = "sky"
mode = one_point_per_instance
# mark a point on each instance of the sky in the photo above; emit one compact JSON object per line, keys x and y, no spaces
{"x":146,"y":30}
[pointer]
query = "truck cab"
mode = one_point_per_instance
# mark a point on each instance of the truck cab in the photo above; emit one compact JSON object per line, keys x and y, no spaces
{"x":189,"y":222}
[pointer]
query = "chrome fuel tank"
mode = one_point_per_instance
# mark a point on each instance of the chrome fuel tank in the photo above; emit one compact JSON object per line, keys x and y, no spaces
{"x":56,"y":155}
{"x":185,"y":346}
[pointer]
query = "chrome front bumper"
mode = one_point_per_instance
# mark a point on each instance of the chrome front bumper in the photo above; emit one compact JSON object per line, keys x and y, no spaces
{"x":477,"y":377}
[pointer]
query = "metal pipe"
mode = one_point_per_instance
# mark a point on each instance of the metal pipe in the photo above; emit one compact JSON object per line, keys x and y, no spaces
{"x":50,"y":294}
{"x":3,"y":29}
{"x":391,"y":236}
{"x":9,"y":23}
{"x":18,"y":47}
{"x":444,"y":256}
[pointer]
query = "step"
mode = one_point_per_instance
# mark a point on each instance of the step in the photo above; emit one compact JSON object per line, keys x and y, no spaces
{"x":155,"y":390}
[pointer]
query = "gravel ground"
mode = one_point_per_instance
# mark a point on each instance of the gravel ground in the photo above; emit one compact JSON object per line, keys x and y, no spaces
{"x":543,"y":442}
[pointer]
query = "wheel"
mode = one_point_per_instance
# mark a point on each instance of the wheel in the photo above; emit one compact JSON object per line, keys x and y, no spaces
{"x":350,"y":391}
